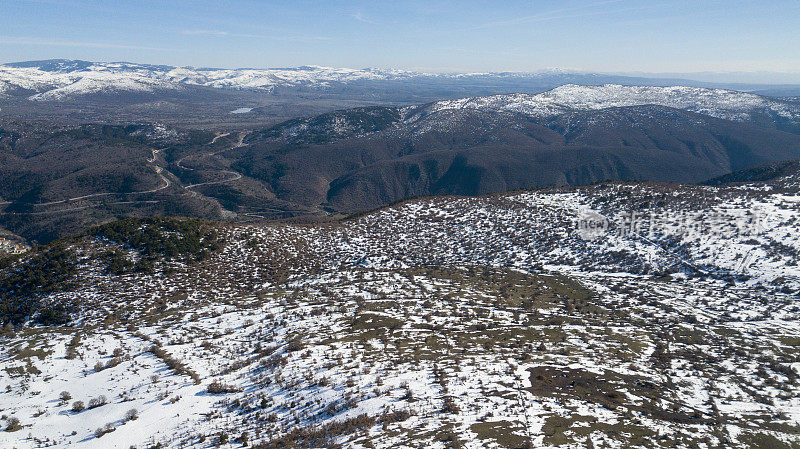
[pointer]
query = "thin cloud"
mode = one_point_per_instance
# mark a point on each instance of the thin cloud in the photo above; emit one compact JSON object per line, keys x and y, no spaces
{"x":288,"y":38}
{"x":363,"y":19}
{"x":205,"y":32}
{"x":301,"y":38}
{"x":556,"y":14}
{"x":65,"y":43}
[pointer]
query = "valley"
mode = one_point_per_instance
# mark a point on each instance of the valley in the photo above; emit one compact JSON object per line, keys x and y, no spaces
{"x":348,"y":161}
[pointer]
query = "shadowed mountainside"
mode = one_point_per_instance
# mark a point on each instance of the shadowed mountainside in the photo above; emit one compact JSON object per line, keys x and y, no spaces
{"x":784,"y":174}
{"x":344,"y":162}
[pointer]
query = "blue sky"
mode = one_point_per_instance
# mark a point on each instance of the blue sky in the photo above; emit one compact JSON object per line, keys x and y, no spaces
{"x":434,"y":35}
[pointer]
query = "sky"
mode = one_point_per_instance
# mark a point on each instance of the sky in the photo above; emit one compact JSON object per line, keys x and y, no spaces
{"x":615,"y":36}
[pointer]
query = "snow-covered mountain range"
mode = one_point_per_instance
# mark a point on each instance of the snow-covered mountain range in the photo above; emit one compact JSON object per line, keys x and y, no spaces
{"x":720,"y":103}
{"x":62,"y":79}
{"x":128,"y":92}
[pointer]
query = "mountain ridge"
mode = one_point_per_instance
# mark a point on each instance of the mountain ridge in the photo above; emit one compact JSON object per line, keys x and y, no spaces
{"x":432,"y":150}
{"x":60,"y":79}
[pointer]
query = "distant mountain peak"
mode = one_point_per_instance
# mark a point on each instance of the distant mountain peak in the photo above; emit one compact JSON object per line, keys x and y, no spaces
{"x":54,"y":65}
{"x":727,"y":104}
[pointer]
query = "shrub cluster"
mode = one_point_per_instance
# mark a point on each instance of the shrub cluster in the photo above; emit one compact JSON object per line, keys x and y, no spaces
{"x":116,"y":262}
{"x":221,"y":388}
{"x":24,"y":283}
{"x":170,"y":238}
{"x":174,"y":364}
{"x":321,"y":436}
{"x":108,"y":428}
{"x":97,"y":402}
{"x":13,"y":424}
{"x":112,"y":362}
{"x":131,"y":415}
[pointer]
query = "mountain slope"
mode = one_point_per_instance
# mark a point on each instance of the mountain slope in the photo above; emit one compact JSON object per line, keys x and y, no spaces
{"x":725,"y":104}
{"x":484,"y":322}
{"x":61,"y":180}
{"x":779,"y":175}
{"x":470,"y":151}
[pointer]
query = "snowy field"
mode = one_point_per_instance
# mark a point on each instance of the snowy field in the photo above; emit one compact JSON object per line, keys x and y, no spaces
{"x":445,"y":322}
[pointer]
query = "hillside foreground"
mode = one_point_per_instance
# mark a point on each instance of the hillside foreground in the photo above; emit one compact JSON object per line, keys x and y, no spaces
{"x":500,"y":321}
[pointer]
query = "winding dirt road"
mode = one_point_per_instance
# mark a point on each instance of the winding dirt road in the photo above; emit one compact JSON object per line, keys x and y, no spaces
{"x":234,"y":175}
{"x":159,"y":171}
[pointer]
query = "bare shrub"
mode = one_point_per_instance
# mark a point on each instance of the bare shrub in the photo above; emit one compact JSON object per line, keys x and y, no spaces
{"x":108,"y":428}
{"x":97,"y":402}
{"x":131,"y":415}
{"x":13,"y":424}
{"x":221,"y":388}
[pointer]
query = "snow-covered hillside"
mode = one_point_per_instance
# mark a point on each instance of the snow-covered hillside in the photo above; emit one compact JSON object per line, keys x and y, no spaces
{"x":483,"y":322}
{"x":65,"y":80}
{"x":727,"y":104}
